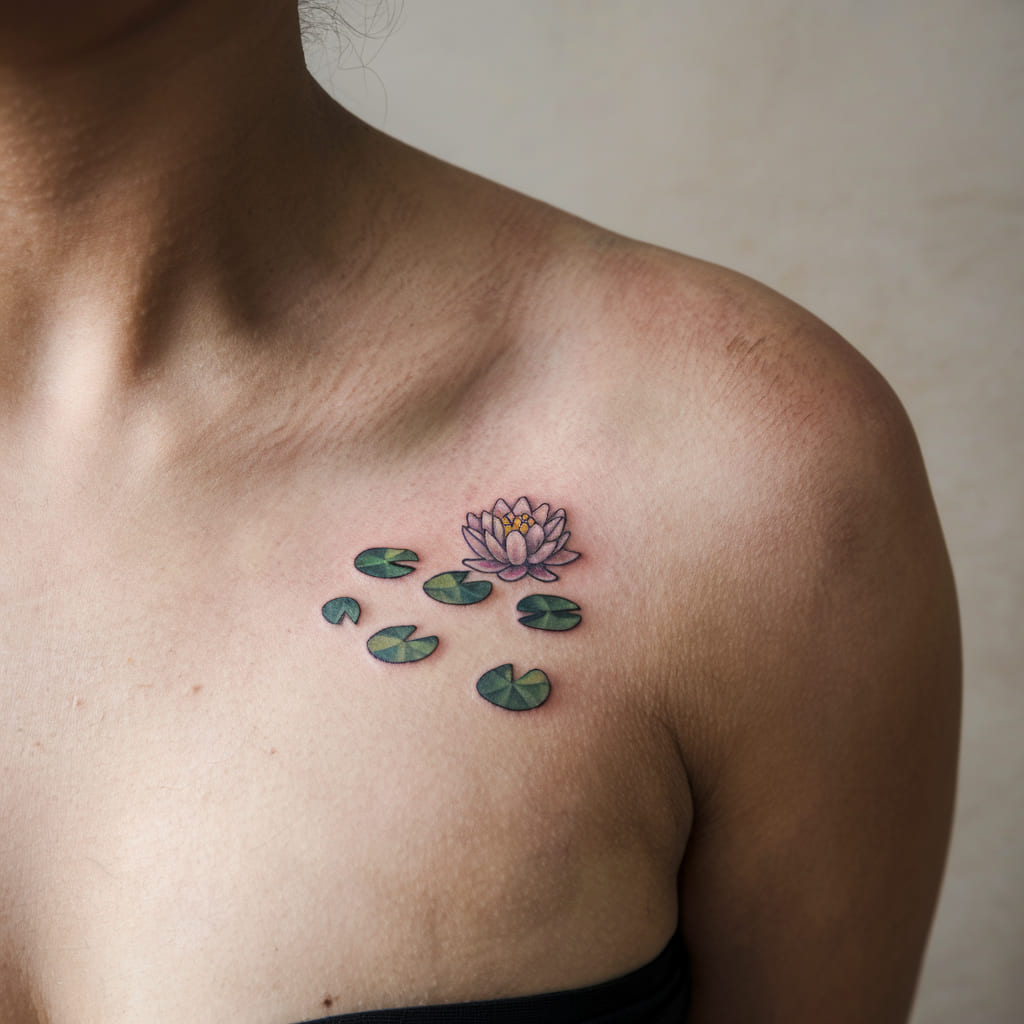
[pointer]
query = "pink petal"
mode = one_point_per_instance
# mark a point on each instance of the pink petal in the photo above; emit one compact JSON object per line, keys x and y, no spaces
{"x":534,"y":538}
{"x":522,"y":507}
{"x":496,"y":548}
{"x":538,"y":572}
{"x":562,"y":558}
{"x":476,"y":542}
{"x":501,"y":508}
{"x":473,"y":522}
{"x":512,"y":573}
{"x":540,"y":514}
{"x":487,"y":522}
{"x":515,"y":547}
{"x":541,"y":554}
{"x":484,"y":564}
{"x":554,"y":526}
{"x":560,"y":543}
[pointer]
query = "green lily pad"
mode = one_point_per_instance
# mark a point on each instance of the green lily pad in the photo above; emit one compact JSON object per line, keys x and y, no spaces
{"x":393,"y":645}
{"x":522,"y":694}
{"x":338,"y":607}
{"x":383,"y":562}
{"x":546,"y":611}
{"x":450,"y":588}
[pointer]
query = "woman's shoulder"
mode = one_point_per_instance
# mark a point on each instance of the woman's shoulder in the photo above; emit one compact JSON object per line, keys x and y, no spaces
{"x":784,"y":493}
{"x":795,"y":577}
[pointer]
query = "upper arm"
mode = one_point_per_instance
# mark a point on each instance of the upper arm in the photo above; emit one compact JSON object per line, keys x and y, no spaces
{"x":823,"y":789}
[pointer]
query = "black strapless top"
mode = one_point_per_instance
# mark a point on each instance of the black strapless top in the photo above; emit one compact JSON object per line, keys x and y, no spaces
{"x":658,"y":993}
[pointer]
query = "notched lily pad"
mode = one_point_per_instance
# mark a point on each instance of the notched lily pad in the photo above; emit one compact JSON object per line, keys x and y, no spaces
{"x":523,"y":694}
{"x":383,"y":562}
{"x":393,"y":645}
{"x":546,"y":611}
{"x":338,"y":607}
{"x":451,"y":588}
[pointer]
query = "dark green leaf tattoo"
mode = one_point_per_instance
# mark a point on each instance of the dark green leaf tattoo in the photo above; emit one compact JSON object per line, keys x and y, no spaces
{"x":393,"y":645}
{"x":546,"y":611}
{"x":451,"y":588}
{"x":512,"y":542}
{"x":522,"y":694}
{"x":383,"y":562}
{"x":337,"y":608}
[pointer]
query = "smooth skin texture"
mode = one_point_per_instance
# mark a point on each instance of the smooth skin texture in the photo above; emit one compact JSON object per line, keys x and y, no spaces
{"x":244,"y":337}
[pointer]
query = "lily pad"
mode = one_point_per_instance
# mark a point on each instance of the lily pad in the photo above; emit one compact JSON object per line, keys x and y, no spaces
{"x":451,"y":588}
{"x":546,"y":611}
{"x":383,"y":562}
{"x":528,"y":691}
{"x":393,"y":645}
{"x":338,"y":607}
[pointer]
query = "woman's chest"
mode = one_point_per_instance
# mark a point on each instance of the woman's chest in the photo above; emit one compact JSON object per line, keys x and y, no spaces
{"x":198,"y":757}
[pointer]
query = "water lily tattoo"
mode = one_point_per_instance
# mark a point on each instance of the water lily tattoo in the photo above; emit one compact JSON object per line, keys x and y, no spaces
{"x":518,"y":540}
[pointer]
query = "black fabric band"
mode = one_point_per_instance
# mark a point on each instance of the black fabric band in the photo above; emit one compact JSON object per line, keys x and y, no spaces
{"x":657,"y":993}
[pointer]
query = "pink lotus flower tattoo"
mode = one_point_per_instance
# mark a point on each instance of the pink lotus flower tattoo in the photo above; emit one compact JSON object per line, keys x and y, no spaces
{"x":518,"y":539}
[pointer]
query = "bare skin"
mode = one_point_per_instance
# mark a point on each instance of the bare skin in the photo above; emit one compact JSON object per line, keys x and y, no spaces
{"x":245,"y":337}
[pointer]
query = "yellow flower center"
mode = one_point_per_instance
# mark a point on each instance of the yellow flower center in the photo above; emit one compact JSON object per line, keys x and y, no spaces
{"x":518,"y":523}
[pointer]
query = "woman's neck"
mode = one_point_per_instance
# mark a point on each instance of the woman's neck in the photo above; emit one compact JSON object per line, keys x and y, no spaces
{"x":152,"y":172}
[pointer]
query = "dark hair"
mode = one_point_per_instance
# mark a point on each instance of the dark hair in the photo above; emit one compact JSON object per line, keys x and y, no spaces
{"x":352,"y":23}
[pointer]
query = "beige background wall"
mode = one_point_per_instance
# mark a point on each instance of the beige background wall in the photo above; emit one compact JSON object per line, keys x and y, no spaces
{"x":866,"y":157}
